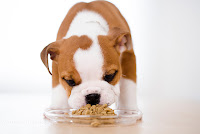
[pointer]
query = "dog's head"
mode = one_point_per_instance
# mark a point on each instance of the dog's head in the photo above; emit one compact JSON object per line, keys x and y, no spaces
{"x":89,"y":67}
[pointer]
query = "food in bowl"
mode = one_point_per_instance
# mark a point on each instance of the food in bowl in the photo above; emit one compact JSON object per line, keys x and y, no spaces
{"x":96,"y":110}
{"x":101,"y":110}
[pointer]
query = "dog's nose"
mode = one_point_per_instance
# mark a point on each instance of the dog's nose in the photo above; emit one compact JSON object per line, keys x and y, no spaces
{"x":92,"y":99}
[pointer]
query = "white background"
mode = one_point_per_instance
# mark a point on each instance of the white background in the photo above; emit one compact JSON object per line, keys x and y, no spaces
{"x":166,"y":36}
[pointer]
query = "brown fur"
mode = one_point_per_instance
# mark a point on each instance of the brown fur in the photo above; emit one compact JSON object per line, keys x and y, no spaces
{"x":66,"y":51}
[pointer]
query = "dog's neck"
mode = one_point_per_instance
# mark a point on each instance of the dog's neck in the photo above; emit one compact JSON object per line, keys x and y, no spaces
{"x":88,"y":23}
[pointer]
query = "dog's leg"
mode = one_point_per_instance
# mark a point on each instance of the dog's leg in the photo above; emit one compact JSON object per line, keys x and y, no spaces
{"x":59,"y":99}
{"x":127,"y":98}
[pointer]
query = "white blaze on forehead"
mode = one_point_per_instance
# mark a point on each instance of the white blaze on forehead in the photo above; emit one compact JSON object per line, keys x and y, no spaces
{"x":89,"y":62}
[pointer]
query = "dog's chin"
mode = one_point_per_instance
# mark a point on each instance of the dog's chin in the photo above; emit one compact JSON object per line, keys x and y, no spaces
{"x":108,"y":94}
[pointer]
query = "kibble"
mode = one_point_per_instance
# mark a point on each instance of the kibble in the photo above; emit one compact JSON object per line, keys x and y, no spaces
{"x":97,"y":110}
{"x":94,"y":110}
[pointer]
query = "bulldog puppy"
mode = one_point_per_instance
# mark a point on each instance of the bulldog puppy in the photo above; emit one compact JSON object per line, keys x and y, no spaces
{"x":93,"y":61}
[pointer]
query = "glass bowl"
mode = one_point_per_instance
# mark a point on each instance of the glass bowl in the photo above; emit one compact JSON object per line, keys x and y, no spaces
{"x":122,"y":117}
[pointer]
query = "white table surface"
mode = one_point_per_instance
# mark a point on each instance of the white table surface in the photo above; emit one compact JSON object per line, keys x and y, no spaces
{"x":23,"y":114}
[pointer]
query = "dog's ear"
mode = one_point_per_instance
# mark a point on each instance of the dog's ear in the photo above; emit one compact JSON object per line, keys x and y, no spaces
{"x":53,"y":50}
{"x":121,"y":38}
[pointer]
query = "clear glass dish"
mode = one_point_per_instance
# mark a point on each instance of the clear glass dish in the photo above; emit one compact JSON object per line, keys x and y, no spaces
{"x":122,"y":117}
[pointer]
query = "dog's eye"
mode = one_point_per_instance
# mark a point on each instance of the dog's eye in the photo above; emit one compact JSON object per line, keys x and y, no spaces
{"x":110,"y":77}
{"x":70,"y":82}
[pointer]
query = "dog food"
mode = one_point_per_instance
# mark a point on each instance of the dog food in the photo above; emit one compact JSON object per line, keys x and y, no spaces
{"x":96,"y":110}
{"x":101,"y":110}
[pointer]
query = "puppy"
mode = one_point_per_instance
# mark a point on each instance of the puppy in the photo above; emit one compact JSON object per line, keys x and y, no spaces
{"x":93,"y":61}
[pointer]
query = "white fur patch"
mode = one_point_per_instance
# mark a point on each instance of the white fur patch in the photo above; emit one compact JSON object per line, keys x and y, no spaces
{"x":89,"y":62}
{"x":59,"y":98}
{"x":127,"y":99}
